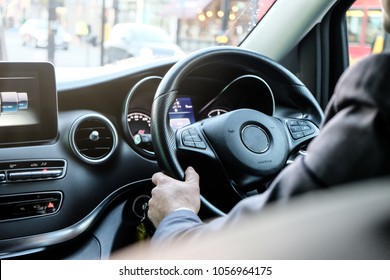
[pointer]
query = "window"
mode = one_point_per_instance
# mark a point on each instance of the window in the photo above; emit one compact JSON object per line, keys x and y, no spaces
{"x":355,"y":25}
{"x":76,"y":33}
{"x":365,"y":31}
{"x":374,"y":26}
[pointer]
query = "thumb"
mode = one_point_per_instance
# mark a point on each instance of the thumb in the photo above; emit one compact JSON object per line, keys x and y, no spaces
{"x":191,"y":175}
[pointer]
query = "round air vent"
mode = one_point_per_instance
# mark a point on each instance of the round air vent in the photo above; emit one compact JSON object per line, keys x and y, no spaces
{"x":93,"y":138}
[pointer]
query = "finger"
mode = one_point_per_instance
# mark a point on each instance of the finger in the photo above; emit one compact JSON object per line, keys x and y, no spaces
{"x":191,"y":175}
{"x":153,"y":193}
{"x":151,"y":216}
{"x":156,"y":177}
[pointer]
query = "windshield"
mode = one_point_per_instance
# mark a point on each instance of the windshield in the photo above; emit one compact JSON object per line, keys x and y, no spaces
{"x":81,"y":33}
{"x":151,"y":35}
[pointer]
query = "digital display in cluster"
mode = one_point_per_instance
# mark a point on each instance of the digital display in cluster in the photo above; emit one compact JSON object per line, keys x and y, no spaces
{"x":181,"y":113}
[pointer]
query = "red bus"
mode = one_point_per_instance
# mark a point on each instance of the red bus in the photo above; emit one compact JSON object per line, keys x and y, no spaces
{"x":365,"y":31}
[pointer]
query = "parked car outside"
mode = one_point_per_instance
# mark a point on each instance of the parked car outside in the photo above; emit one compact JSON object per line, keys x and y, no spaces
{"x":35,"y":32}
{"x":139,"y":40}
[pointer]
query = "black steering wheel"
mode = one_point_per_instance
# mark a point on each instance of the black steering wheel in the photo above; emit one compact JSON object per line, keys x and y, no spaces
{"x":249,"y":146}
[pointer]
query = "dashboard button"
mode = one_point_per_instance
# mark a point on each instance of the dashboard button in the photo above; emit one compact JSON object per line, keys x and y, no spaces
{"x":32,"y":170}
{"x":56,"y":173}
{"x":14,"y":176}
{"x":36,"y":174}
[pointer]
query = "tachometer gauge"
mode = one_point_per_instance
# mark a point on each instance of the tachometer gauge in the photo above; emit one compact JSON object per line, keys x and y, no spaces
{"x":139,"y":123}
{"x":216,"y":112}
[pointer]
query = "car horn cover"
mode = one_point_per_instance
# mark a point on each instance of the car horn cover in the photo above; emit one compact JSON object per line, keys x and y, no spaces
{"x":248,"y":142}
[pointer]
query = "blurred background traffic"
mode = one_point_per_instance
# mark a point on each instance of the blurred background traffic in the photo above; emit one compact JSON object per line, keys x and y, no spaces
{"x":88,"y":29}
{"x":86,"y":33}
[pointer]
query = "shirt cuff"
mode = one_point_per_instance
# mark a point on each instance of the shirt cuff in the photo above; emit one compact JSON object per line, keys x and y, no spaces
{"x":184,"y":208}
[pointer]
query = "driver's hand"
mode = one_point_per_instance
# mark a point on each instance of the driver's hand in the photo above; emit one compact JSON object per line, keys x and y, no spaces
{"x":170,"y":195}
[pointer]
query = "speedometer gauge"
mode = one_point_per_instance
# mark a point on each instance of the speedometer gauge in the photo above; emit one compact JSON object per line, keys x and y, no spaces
{"x":139,"y":123}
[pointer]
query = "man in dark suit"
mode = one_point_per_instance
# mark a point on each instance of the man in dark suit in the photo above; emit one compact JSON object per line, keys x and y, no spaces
{"x":353,"y":144}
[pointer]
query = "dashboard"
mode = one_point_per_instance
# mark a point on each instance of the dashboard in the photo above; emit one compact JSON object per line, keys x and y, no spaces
{"x":76,"y":171}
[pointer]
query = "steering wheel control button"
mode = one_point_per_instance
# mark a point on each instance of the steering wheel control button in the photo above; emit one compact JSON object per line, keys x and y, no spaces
{"x":189,"y":144}
{"x":200,"y":145}
{"x":255,"y":139}
{"x":186,"y":134}
{"x":193,"y":132}
{"x":293,"y":123}
{"x":190,"y":138}
{"x":300,"y":129}
{"x":298,"y":135}
{"x":296,"y":129}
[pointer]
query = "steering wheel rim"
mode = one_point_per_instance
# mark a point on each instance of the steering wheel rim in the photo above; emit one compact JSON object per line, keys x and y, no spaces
{"x":164,"y":137}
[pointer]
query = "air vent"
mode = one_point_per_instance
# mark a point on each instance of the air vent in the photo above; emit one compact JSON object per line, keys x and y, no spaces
{"x":93,"y":138}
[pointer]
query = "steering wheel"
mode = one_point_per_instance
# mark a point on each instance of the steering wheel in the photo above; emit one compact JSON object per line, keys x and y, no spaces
{"x":250,"y":146}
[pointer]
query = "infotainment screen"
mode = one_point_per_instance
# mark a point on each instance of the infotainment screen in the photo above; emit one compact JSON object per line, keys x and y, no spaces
{"x":181,"y":113}
{"x":28,"y":103}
